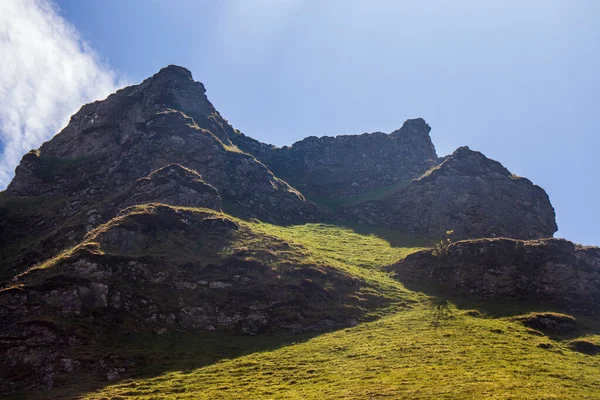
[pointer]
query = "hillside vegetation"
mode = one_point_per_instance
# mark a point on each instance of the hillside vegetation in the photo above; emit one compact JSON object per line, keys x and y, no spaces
{"x":410,"y":354}
{"x":418,"y":346}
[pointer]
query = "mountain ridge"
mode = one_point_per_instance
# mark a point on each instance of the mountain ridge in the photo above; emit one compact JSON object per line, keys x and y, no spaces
{"x":150,"y":214}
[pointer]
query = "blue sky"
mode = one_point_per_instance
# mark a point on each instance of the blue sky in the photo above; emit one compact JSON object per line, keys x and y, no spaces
{"x":516,"y":80}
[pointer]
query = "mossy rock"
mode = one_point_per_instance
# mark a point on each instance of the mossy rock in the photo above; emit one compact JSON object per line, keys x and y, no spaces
{"x":550,"y":323}
{"x":585,"y":347}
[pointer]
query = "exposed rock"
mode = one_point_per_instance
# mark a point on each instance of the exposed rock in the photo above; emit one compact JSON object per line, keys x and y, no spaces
{"x":175,"y":185}
{"x":159,"y":141}
{"x":115,"y":227}
{"x":553,"y":271}
{"x":469,"y":194}
{"x":345,"y":165}
{"x":551,"y":323}
{"x":585,"y":347}
{"x":157,"y":268}
{"x":142,"y":128}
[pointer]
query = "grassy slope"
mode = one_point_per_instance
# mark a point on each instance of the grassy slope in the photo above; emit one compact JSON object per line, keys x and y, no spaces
{"x":414,"y":350}
{"x":410,"y":354}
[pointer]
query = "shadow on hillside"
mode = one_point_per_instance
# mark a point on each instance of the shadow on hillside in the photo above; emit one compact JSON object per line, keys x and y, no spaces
{"x":506,"y":308}
{"x":155,"y":355}
{"x":394,"y":238}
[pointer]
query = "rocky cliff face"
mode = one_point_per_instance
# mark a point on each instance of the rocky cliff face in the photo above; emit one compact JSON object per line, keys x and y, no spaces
{"x":469,"y":194}
{"x":163,"y":141}
{"x":140,"y":129}
{"x":397,"y":181}
{"x":109,"y":145}
{"x":547,"y":271}
{"x":347,"y":165}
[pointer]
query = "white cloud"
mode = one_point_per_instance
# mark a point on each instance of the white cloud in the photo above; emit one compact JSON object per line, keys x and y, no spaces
{"x":46,"y":74}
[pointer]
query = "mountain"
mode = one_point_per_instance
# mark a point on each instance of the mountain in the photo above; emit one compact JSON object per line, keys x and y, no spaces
{"x":81,"y":177}
{"x":149,"y":236}
{"x":469,"y":194}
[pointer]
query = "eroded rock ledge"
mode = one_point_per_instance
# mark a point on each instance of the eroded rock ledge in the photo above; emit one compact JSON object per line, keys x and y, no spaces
{"x":553,"y":271}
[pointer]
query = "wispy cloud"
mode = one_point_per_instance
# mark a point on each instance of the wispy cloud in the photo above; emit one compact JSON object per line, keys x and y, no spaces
{"x":47,"y":72}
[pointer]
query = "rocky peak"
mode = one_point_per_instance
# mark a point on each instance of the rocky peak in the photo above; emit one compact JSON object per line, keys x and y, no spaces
{"x":413,"y":126}
{"x":468,"y":193}
{"x":173,"y":72}
{"x":466,"y":162}
{"x":173,"y":87}
{"x":347,"y":165}
{"x":135,"y":133}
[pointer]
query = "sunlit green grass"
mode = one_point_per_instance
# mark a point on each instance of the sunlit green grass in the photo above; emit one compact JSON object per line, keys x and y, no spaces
{"x":341,"y":245}
{"x":407,"y":355}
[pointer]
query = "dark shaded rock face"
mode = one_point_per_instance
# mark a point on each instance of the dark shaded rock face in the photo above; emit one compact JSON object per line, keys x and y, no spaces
{"x":342,"y":166}
{"x":469,"y":194}
{"x":585,"y":347}
{"x":553,"y":271}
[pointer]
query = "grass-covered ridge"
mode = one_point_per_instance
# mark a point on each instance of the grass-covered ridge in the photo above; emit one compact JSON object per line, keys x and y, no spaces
{"x":362,"y":256}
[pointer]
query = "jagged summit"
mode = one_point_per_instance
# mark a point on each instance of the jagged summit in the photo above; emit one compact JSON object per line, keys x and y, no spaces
{"x":173,"y":71}
{"x":171,"y":75}
{"x":174,"y":87}
{"x":413,"y":126}
{"x":349,"y":165}
{"x":465,"y":161}
{"x":168,"y":119}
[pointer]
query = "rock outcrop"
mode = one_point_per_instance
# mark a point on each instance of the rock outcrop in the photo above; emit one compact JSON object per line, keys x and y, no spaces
{"x":174,"y":185}
{"x":110,"y":145}
{"x":162,"y":269}
{"x":548,"y":271}
{"x":349,"y":165}
{"x":469,"y":194}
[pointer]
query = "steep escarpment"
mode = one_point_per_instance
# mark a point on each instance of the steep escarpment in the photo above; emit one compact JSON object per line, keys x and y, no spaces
{"x":547,"y":271}
{"x":469,"y":194}
{"x":166,"y":119}
{"x":398,"y":182}
{"x":134,"y":133}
